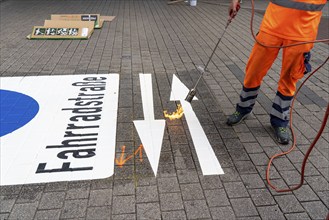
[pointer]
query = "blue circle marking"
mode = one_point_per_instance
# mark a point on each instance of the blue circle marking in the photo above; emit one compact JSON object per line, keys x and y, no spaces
{"x":16,"y":110}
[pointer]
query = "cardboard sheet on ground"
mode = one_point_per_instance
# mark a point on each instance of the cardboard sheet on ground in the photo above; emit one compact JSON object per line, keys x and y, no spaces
{"x":57,"y":29}
{"x":97,"y":18}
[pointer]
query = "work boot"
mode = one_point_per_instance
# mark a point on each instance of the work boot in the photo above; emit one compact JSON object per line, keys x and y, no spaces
{"x":236,"y":118}
{"x":282,"y":135}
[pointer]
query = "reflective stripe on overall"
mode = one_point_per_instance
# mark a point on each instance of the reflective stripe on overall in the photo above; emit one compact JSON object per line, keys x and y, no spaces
{"x":294,"y":66}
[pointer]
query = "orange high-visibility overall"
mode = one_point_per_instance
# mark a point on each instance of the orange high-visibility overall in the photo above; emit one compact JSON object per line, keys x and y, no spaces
{"x":285,"y":22}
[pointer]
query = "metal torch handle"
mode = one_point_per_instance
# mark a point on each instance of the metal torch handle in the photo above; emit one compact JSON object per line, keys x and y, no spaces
{"x":212,"y":54}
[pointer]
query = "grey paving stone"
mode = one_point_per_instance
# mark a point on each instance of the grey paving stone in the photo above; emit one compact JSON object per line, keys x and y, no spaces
{"x":102,"y":212}
{"x":274,"y":174}
{"x":216,"y":197}
{"x":324,"y":197}
{"x":52,"y":200}
{"x":246,"y":137}
{"x":252,"y":181}
{"x":187,"y":176}
{"x":126,"y":171}
{"x":259,"y":159}
{"x":227,"y":133}
{"x":147,"y":181}
{"x":236,"y":190}
{"x":252,"y":123}
{"x":125,"y":115}
{"x":30,"y":193}
{"x":291,"y":177}
{"x":172,"y":215}
{"x":238,"y":154}
{"x":147,"y":194}
{"x":211,"y":182}
{"x":166,"y":170}
{"x":4,"y":216}
{"x":171,"y":201}
{"x":7,"y":203}
{"x":259,"y":132}
{"x":106,"y":183}
{"x":192,"y":191}
{"x":249,"y":218}
{"x":310,"y":170}
{"x":231,"y":174}
{"x":325,"y":173}
{"x":225,"y":212}
{"x":123,"y":187}
{"x":261,"y":197}
{"x":181,"y":150}
{"x":10,"y":190}
{"x":289,"y":203}
{"x":299,"y":216}
{"x":100,"y":197}
{"x":243,"y":207}
{"x":283,"y":164}
{"x":226,"y":160}
{"x":168,"y":185}
{"x":124,"y":217}
{"x":316,"y":209}
{"x":78,"y":190}
{"x":296,"y":156}
{"x":317,"y":183}
{"x":245,"y":167}
{"x":196,"y":209}
{"x":233,"y":143}
{"x":266,"y":141}
{"x":74,"y":208}
{"x":241,"y":128}
{"x":56,"y":186}
{"x":183,"y":163}
{"x":305,"y":193}
{"x":53,"y":214}
{"x":123,"y":205}
{"x":24,"y":211}
{"x":148,"y":211}
{"x":179,"y":139}
{"x":270,"y":212}
{"x":319,"y":161}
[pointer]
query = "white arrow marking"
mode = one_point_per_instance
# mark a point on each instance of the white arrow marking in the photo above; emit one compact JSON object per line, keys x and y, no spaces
{"x":207,"y":158}
{"x":150,"y":130}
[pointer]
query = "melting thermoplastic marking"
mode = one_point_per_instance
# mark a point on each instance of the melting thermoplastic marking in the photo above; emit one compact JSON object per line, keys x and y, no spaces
{"x":175,"y":115}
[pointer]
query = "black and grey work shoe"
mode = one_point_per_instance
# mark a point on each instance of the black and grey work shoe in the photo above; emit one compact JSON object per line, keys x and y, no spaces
{"x":236,"y":118}
{"x":282,"y":135}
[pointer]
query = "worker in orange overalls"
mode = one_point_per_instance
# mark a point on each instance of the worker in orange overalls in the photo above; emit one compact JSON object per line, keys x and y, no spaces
{"x":285,"y":22}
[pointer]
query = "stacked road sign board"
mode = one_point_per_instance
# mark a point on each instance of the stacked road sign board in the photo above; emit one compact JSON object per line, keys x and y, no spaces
{"x":69,"y":26}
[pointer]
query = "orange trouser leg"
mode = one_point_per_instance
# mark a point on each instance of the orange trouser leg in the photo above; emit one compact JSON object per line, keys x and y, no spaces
{"x":293,"y":67}
{"x":261,"y":59}
{"x":292,"y":70}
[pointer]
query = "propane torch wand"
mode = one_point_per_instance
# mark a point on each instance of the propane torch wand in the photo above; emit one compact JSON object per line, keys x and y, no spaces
{"x":202,"y":70}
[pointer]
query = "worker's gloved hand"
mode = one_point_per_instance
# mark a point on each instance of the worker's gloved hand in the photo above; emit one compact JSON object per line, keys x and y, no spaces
{"x":233,"y":9}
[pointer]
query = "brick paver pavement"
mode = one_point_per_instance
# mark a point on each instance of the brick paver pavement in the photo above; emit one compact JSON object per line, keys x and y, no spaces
{"x":149,"y":36}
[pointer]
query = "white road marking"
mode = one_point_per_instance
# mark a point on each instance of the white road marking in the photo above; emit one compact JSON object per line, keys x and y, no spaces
{"x":207,"y":158}
{"x":150,"y":130}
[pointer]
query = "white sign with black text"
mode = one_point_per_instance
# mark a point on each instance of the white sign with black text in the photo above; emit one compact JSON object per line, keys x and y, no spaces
{"x":58,"y":128}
